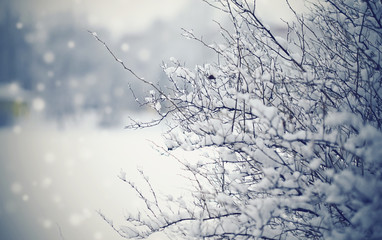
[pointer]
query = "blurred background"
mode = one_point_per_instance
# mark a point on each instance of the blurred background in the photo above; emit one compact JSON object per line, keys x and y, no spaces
{"x":64,"y":103}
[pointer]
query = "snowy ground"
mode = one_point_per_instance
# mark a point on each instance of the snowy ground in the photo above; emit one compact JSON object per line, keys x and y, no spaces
{"x":53,"y":180}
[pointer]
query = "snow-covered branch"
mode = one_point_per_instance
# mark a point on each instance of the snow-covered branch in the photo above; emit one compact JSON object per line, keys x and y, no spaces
{"x":294,"y":126}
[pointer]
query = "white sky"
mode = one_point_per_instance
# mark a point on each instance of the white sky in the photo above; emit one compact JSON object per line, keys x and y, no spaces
{"x":133,"y":16}
{"x":129,"y":16}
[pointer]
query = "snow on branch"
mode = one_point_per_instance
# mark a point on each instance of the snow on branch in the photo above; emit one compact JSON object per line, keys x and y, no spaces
{"x":289,"y":127}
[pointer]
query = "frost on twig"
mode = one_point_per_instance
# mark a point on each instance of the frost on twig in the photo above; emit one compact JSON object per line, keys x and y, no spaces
{"x":174,"y":106}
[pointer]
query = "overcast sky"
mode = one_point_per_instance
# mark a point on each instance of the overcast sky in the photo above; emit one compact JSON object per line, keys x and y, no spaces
{"x":131,"y":16}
